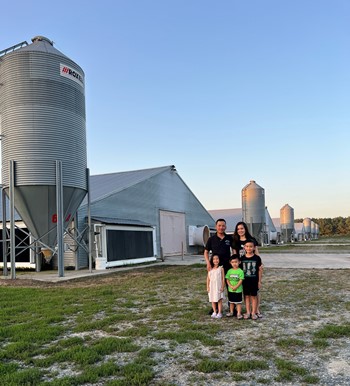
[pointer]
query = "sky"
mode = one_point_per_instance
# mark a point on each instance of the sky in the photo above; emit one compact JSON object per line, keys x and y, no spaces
{"x":228,"y":91}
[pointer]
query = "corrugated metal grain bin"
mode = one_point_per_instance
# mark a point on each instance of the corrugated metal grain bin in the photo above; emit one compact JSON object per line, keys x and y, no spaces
{"x":287,"y":222}
{"x":253,"y":208}
{"x":42,"y":120}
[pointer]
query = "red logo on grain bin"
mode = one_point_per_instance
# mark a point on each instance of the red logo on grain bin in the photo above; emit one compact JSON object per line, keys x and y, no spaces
{"x":71,"y":73}
{"x":54,"y":218}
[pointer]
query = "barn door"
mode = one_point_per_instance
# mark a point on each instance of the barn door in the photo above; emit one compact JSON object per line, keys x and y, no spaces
{"x":172,"y":232}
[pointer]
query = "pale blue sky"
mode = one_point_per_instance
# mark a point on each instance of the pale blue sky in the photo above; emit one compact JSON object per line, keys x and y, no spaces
{"x":228,"y":91}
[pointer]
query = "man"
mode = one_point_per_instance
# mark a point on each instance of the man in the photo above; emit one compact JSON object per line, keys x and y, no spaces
{"x":219,"y":244}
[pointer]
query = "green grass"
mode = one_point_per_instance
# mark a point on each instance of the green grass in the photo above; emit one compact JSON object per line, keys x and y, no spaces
{"x":98,"y":331}
{"x":334,"y":244}
{"x":333,"y":331}
{"x":207,"y":365}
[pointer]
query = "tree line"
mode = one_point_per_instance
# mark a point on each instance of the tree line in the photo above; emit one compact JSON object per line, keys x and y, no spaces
{"x":332,"y":226}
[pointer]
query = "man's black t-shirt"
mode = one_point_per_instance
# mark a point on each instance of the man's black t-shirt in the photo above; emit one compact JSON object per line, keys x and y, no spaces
{"x":220,"y":247}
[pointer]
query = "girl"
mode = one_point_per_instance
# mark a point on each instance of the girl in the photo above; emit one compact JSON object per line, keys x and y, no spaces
{"x":215,"y":286}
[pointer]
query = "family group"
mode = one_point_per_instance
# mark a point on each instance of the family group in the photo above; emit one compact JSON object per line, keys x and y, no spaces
{"x":234,"y":263}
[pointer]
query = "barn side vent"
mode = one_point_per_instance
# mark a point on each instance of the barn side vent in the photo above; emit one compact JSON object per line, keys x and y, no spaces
{"x":198,"y":235}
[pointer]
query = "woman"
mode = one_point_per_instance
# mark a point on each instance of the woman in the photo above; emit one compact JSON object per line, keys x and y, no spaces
{"x":240,"y":236}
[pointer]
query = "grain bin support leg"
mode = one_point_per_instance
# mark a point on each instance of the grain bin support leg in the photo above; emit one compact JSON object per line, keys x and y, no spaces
{"x":4,"y":233}
{"x":59,"y":205}
{"x":12,"y":220}
{"x":89,"y":218}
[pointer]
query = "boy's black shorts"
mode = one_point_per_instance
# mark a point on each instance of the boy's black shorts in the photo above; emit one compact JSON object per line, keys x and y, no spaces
{"x":235,"y":297}
{"x":250,"y":287}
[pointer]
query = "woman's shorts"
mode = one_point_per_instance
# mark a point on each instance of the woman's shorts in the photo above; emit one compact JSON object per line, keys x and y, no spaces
{"x":235,"y":297}
{"x":250,"y":287}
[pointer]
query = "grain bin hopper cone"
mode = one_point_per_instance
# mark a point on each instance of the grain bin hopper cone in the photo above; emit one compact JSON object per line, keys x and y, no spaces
{"x":42,"y":119}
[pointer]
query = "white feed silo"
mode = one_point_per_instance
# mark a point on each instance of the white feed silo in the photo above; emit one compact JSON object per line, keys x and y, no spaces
{"x":253,"y":209}
{"x":307,"y":228}
{"x":287,"y":222}
{"x":42,"y":120}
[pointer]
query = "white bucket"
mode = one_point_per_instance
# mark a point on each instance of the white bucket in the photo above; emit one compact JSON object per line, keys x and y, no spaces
{"x":100,"y":263}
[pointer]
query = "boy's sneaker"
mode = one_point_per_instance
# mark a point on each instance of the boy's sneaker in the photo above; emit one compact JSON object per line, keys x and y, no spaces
{"x":214,"y":315}
{"x":218,"y":316}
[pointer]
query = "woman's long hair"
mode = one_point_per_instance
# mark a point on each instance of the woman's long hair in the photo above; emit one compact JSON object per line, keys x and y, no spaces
{"x":247,"y":234}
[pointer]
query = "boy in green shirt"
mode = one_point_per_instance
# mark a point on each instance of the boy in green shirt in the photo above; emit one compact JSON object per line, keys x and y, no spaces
{"x":234,"y":279}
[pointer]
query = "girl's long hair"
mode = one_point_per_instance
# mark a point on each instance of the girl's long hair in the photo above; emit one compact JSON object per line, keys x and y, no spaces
{"x":211,"y":260}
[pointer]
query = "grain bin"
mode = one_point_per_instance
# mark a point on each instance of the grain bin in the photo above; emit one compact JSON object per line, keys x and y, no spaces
{"x":317,"y":231}
{"x":287,"y":222}
{"x":313,"y":230}
{"x":307,"y":228}
{"x":253,"y":209}
{"x":42,"y":120}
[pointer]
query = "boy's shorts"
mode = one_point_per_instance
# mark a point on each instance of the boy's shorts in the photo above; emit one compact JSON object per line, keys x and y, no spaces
{"x":235,"y":297}
{"x":250,"y":287}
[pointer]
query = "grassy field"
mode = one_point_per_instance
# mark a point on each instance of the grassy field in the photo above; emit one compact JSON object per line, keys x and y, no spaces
{"x":334,"y":244}
{"x":151,"y":327}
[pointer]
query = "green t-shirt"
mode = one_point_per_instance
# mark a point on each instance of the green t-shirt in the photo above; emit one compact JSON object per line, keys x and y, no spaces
{"x":234,"y":276}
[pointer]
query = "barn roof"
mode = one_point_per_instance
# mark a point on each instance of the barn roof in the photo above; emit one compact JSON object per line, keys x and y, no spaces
{"x":104,"y":185}
{"x":119,"y":221}
{"x":232,"y":217}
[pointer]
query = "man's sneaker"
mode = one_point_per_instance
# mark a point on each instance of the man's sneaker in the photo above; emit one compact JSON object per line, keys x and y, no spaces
{"x":214,"y":315}
{"x":218,"y":316}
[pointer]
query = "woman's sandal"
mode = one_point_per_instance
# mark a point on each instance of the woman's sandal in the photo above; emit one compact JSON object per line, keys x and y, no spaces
{"x":254,"y":316}
{"x":246,"y":316}
{"x":259,"y":315}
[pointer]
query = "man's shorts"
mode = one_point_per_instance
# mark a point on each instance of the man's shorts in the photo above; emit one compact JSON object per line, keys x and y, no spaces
{"x":235,"y":297}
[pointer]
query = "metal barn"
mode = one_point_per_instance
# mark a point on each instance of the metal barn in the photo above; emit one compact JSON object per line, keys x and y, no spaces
{"x":140,"y":215}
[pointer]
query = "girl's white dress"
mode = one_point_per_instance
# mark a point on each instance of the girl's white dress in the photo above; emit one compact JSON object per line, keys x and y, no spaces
{"x":215,"y":284}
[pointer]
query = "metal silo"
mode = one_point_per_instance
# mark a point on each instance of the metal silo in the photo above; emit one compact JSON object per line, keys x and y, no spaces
{"x":42,"y":121}
{"x":307,"y":228}
{"x":313,"y":230}
{"x":317,"y":231}
{"x":287,"y":222}
{"x":253,"y":209}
